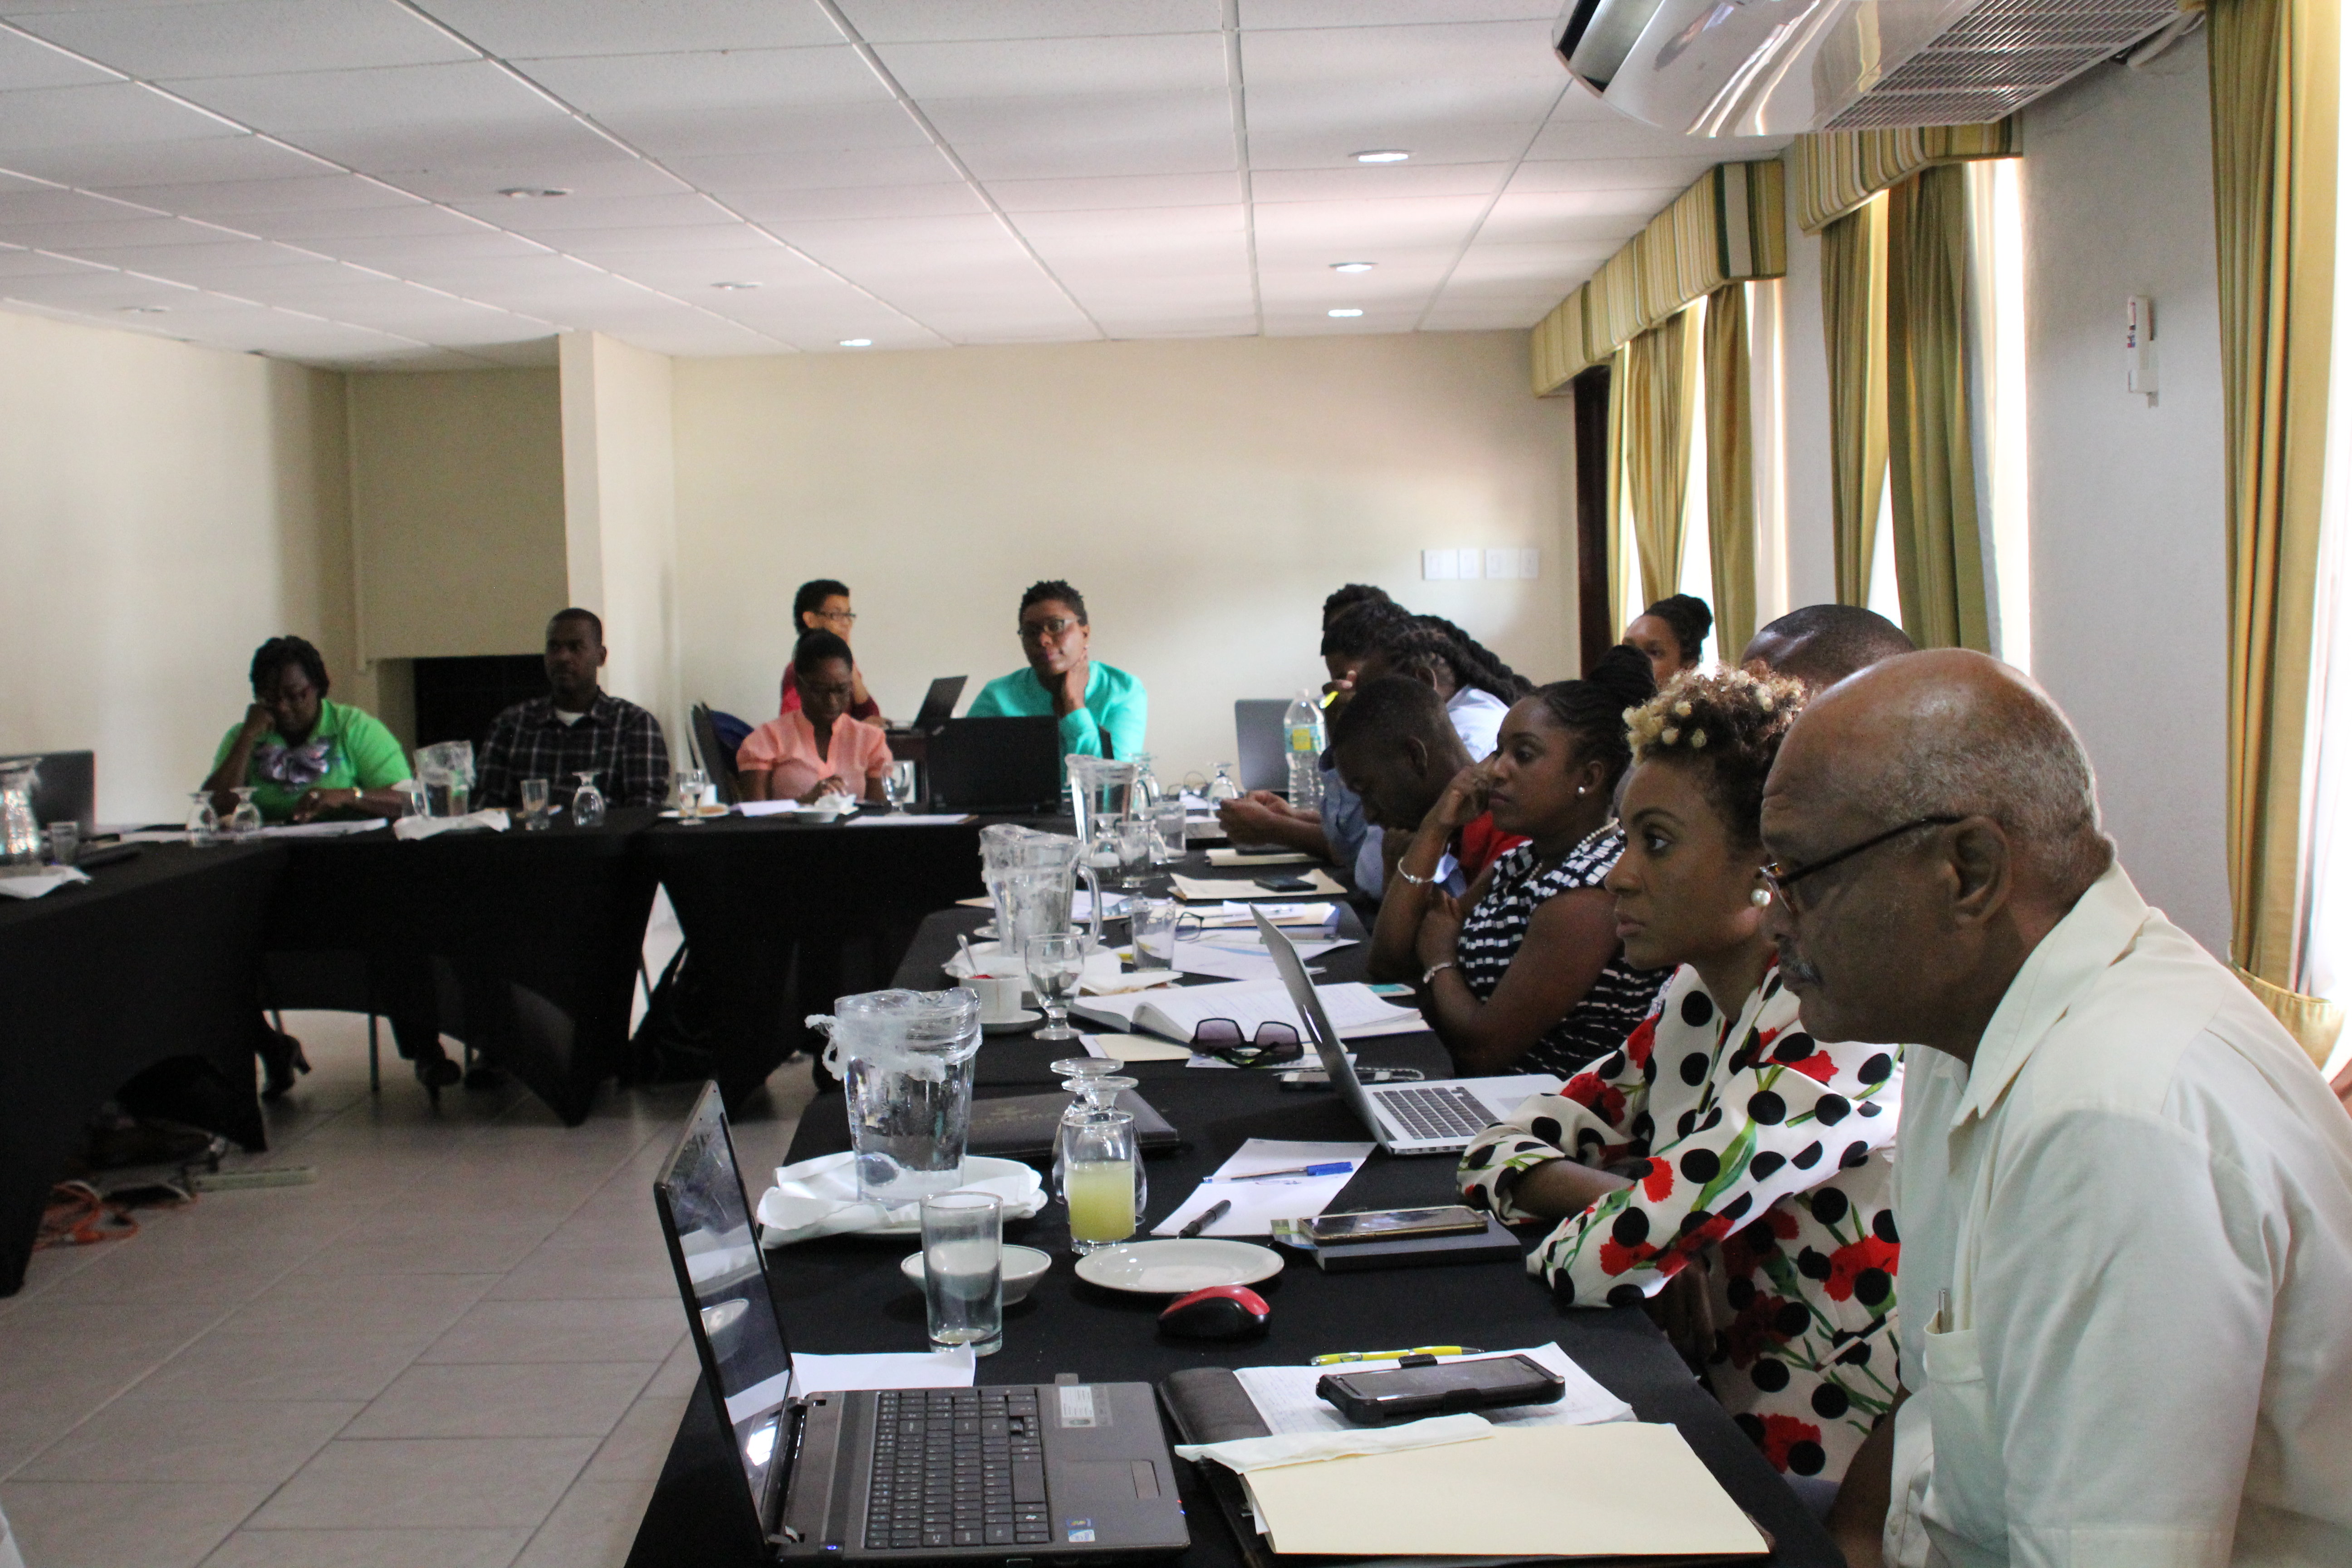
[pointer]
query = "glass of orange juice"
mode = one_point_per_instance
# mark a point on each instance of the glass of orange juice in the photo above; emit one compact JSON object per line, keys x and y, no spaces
{"x":1098,"y":1161}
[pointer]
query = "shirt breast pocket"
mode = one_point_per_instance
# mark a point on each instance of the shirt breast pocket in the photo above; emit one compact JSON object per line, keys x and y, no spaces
{"x":1965,"y":1495}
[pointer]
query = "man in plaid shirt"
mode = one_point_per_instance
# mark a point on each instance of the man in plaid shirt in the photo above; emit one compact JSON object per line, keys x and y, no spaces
{"x":575,"y":729}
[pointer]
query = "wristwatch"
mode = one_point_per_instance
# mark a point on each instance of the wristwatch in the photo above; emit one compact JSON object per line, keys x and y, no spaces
{"x":1431,"y":973}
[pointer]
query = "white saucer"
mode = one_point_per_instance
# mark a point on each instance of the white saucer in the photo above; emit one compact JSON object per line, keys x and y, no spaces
{"x":1024,"y":1020}
{"x":1179,"y":1267}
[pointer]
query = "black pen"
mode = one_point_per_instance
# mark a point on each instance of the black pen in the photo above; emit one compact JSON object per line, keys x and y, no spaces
{"x":1206,"y":1217}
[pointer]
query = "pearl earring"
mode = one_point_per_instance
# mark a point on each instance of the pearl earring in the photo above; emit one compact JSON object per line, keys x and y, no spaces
{"x":1760,"y":896}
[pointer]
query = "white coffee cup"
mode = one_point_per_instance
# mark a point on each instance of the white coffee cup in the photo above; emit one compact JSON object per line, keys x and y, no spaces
{"x":998,"y":998}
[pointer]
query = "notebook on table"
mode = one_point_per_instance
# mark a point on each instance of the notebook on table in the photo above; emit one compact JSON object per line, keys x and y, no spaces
{"x":1078,"y":1472}
{"x":1439,"y":1117}
{"x":1176,"y":1012}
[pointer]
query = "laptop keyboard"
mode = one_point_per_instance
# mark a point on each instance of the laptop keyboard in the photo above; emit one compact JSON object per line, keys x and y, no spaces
{"x":957,"y":1466}
{"x":1437,"y":1110}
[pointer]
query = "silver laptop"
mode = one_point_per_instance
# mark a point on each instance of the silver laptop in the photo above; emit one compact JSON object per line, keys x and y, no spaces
{"x":1439,"y":1117}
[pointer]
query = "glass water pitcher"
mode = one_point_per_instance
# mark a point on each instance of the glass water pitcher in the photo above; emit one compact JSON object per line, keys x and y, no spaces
{"x":20,"y":830}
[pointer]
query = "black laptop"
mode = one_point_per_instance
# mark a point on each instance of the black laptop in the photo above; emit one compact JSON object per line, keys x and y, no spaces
{"x":1006,"y":766}
{"x":1075,"y":1472}
{"x":939,"y":703}
{"x":1262,"y":741}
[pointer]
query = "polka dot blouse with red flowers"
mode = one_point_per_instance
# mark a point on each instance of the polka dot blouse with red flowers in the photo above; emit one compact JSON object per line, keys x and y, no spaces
{"x":1761,"y":1157}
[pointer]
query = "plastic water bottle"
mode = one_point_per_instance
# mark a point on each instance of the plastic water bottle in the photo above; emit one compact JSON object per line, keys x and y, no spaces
{"x":1302,"y":729}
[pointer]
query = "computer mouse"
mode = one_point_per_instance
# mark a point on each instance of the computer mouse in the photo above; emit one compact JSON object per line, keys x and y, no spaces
{"x":1219,"y":1312}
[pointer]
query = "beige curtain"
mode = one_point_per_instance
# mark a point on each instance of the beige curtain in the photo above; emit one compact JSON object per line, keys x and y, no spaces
{"x":2272,"y":69}
{"x":1930,"y":456}
{"x":1660,"y":384}
{"x":1854,"y":327}
{"x":1620,"y":567}
{"x":1730,"y":470}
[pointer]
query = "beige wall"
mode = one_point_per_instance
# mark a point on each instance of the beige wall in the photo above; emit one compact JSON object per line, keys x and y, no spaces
{"x":456,"y":483}
{"x":163,"y":510}
{"x":620,"y":515}
{"x":1204,"y":496}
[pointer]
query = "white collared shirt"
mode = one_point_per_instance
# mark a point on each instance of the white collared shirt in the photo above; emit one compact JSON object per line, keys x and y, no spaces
{"x":2138,"y":1206}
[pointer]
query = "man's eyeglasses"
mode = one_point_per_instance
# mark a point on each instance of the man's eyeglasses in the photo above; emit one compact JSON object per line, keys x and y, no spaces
{"x":837,"y":614}
{"x":1044,"y":631}
{"x":1784,"y":877}
{"x":1273,"y":1045}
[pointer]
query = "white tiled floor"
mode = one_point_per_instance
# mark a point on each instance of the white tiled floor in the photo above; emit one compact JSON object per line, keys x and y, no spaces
{"x":460,"y":1346}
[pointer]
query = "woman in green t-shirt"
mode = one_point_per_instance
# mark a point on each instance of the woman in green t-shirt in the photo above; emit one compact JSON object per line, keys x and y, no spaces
{"x":305,"y":756}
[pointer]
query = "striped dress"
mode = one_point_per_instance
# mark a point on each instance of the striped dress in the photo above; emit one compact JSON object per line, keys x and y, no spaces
{"x":1493,"y":931}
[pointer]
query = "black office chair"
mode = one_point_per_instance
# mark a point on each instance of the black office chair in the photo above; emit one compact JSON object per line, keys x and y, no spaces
{"x":718,"y":757}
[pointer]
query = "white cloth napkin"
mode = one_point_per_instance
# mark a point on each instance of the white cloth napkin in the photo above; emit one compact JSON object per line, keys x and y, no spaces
{"x":1244,"y":1455}
{"x":819,"y":1197}
{"x":40,"y":882}
{"x":413,"y":827}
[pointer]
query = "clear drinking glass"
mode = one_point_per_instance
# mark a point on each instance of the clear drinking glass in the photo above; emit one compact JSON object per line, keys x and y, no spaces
{"x":412,"y":798}
{"x":1099,"y":1168}
{"x":963,"y":1270}
{"x":203,"y":822}
{"x":1153,"y":922}
{"x":1055,"y":962}
{"x":246,"y":820}
{"x":587,"y":805}
{"x":898,"y":783}
{"x":65,"y":842}
{"x":1136,"y":840}
{"x":689,"y":794}
{"x":1222,"y":786}
{"x":534,"y":804}
{"x":1168,"y":831}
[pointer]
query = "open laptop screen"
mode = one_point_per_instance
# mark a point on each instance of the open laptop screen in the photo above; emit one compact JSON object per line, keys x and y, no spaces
{"x":725,"y":1283}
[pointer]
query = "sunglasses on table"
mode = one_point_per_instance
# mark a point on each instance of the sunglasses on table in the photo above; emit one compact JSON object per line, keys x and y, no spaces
{"x":1272,"y":1046}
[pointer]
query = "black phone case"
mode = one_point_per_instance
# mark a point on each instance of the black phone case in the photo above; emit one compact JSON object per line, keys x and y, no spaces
{"x":1364,"y":1406}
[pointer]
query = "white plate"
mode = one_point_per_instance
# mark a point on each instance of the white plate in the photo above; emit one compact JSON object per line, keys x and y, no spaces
{"x":1024,"y":1019}
{"x":1178,"y":1267}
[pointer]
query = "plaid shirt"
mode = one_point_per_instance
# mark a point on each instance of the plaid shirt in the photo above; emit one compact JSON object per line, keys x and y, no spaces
{"x":620,"y":741}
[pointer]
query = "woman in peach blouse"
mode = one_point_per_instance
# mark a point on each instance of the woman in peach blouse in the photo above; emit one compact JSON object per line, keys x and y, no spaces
{"x":816,"y":748}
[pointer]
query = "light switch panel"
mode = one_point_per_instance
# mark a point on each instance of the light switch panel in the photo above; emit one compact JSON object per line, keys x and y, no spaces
{"x":1440,"y":566}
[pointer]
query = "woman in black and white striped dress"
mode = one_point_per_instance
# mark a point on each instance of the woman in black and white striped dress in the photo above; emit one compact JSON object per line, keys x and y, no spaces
{"x":1524,"y":973}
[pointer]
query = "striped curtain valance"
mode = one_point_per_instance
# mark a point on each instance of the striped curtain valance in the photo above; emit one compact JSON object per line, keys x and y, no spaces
{"x":1730,"y":227}
{"x":1837,"y":171}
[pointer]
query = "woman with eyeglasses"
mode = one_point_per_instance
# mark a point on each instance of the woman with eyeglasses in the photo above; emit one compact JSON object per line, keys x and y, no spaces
{"x":822,"y":605}
{"x":1723,"y":1166}
{"x":1101,"y":708}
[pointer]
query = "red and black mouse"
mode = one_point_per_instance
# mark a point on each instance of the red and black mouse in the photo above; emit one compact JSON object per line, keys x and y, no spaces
{"x":1219,"y":1312}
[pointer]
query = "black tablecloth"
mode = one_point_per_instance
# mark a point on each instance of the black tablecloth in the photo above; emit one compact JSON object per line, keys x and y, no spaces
{"x":155,"y":959}
{"x":847,"y":1295}
{"x":524,"y":945}
{"x":780,"y":917}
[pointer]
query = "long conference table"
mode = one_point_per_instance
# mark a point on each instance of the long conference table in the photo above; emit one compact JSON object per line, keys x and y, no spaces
{"x":846,"y":1294}
{"x":524,"y":946}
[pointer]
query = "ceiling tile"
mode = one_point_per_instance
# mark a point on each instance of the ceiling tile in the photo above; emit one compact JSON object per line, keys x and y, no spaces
{"x":1113,"y":192}
{"x":103,"y":115}
{"x":464,"y":96}
{"x":533,"y":29}
{"x":680,"y":209}
{"x":1560,"y":266}
{"x":75,"y":234}
{"x":242,"y":38}
{"x":858,"y":202}
{"x":230,"y":201}
{"x":1266,"y":14}
{"x":28,"y":62}
{"x":51,"y":204}
{"x":1571,"y":215}
{"x":784,"y":134}
{"x":1036,"y":68}
{"x":714,"y":240}
{"x":1617,"y":137}
{"x":18,"y":261}
{"x":923,"y":21}
{"x":1479,"y":52}
{"x":399,"y":253}
{"x":554,"y":150}
{"x":1135,"y":117}
{"x":713,"y":79}
{"x":1333,"y":146}
{"x":1360,"y":182}
{"x":993,"y":162}
{"x":181,"y":263}
{"x":322,"y":231}
{"x":839,"y":168}
{"x":227,"y":156}
{"x":475,"y":177}
{"x":1348,"y":225}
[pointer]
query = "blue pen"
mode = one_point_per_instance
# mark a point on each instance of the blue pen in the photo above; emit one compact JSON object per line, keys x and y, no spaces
{"x":1328,"y":1168}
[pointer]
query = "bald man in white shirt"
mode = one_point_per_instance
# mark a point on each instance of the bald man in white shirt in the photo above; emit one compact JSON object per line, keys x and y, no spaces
{"x":2125,"y":1194}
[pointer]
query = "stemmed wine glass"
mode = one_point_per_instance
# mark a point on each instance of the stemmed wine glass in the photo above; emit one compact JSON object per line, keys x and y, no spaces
{"x":203,"y":822}
{"x":587,"y":805}
{"x":1055,"y":962}
{"x":899,"y":784}
{"x":246,"y":820}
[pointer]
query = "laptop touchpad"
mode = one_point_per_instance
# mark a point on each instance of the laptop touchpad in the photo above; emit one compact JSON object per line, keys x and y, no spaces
{"x":1082,"y":1483}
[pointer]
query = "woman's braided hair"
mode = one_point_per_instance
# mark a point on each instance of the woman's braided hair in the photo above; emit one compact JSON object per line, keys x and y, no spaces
{"x":1476,"y":665}
{"x":1727,"y":725}
{"x":1593,"y":709}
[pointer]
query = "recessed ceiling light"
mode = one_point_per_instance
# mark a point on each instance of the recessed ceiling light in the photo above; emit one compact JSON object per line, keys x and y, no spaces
{"x":1383,"y":156}
{"x":857,"y":342}
{"x":147,"y":309}
{"x":533,"y":192}
{"x":1351,"y":266}
{"x":734,"y":284}
{"x":1345,"y":310}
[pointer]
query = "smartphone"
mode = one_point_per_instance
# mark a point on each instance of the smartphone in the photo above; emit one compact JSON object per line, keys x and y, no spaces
{"x":1392,"y":1224}
{"x":1424,"y":1385}
{"x":1285,"y":884}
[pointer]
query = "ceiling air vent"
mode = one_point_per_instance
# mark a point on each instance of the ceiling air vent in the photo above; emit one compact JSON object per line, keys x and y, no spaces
{"x":1773,"y":67}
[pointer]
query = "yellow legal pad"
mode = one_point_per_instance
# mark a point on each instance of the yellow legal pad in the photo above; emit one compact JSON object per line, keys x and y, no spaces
{"x":1620,"y":1488}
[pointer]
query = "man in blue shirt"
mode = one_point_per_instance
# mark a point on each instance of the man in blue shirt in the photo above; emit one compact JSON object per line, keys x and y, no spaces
{"x":1101,"y":709}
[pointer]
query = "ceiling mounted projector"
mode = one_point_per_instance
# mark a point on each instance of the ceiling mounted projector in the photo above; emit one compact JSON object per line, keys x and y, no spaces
{"x":1775,"y":67}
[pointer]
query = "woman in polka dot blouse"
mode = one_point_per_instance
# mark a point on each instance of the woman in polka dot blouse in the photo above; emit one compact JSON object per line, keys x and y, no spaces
{"x":1724,"y":1166}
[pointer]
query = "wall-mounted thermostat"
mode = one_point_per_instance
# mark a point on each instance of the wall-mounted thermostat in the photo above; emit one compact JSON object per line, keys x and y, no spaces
{"x":2139,"y":346}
